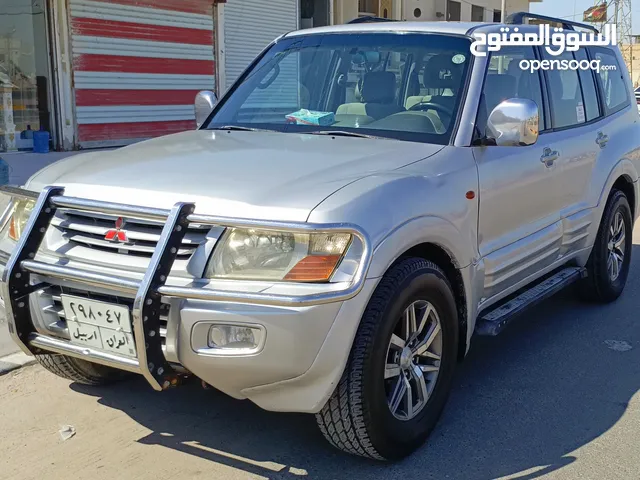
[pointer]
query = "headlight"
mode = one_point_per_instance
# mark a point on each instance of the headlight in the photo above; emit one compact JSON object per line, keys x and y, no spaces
{"x":21,"y":211}
{"x":253,"y":254}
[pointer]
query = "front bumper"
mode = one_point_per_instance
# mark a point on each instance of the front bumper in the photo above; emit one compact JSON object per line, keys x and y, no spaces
{"x":301,"y":361}
{"x":307,"y":333}
{"x":303,"y":357}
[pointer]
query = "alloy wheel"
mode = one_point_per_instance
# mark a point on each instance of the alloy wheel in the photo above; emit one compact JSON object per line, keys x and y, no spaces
{"x":413,"y":360}
{"x":616,"y":246}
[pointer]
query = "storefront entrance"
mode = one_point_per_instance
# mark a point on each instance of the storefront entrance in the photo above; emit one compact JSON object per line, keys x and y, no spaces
{"x":315,"y":13}
{"x":25,"y":80}
{"x":377,"y":8}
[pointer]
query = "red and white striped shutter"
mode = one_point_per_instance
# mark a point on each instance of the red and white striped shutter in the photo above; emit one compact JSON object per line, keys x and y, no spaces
{"x":137,"y":66}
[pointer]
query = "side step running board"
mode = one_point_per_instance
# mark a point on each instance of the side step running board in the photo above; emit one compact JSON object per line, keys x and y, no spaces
{"x":493,"y":322}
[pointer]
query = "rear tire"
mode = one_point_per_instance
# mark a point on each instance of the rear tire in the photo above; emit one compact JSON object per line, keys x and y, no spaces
{"x":80,"y":371}
{"x":361,"y":417}
{"x":606,"y":281}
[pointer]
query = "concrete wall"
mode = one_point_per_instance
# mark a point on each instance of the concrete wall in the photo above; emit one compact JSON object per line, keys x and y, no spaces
{"x":344,"y":10}
{"x":428,"y":10}
{"x":517,"y":6}
{"x":424,"y":10}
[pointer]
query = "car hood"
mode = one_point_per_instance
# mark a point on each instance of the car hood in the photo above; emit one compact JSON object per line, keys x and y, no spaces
{"x":261,"y":175}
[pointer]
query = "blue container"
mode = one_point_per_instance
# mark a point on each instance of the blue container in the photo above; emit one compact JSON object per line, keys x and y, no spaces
{"x":41,"y":141}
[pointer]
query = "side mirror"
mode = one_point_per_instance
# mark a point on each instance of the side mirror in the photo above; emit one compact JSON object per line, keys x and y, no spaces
{"x":514,"y":123}
{"x":205,"y":101}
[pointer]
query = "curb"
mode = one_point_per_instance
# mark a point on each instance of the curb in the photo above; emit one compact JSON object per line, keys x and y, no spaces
{"x":15,"y":361}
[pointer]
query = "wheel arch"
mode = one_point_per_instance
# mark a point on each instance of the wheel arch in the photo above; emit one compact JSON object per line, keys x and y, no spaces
{"x":622,"y":176}
{"x":625,"y":184}
{"x":443,"y":259}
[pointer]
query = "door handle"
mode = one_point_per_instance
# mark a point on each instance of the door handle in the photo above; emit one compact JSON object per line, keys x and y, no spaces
{"x":602,"y":139}
{"x":549,"y":156}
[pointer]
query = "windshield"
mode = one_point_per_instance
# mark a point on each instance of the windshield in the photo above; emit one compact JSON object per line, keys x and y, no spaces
{"x":402,"y":86}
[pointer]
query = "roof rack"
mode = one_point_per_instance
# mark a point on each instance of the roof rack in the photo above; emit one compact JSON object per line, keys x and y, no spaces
{"x":520,"y":17}
{"x":370,"y":19}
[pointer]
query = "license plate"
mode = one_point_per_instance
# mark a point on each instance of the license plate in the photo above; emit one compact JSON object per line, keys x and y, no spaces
{"x":100,"y":325}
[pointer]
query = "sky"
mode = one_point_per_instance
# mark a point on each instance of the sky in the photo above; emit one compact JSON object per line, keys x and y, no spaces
{"x":565,"y":9}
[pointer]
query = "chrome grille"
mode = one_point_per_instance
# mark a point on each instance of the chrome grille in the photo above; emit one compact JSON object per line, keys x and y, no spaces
{"x":90,"y":230}
{"x":56,"y":308}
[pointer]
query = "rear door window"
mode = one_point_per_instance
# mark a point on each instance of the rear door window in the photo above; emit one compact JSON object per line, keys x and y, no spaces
{"x":565,"y":94}
{"x":589,"y":90}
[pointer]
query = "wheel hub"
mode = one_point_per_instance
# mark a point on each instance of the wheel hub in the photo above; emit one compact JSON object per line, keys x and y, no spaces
{"x":406,"y":358}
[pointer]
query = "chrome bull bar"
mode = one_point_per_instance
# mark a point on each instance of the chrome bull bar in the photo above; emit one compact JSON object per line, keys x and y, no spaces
{"x":151,"y":363}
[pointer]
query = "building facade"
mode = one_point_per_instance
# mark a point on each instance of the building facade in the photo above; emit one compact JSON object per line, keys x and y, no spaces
{"x":98,"y":73}
{"x":429,"y":10}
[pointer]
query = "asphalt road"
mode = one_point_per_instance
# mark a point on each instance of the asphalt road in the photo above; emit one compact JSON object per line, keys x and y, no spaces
{"x":554,"y":397}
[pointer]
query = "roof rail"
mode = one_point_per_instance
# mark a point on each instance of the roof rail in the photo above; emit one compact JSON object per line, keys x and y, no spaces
{"x":520,"y":17}
{"x":370,"y":19}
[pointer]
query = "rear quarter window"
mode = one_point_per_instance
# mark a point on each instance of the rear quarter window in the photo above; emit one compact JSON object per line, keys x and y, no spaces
{"x":611,"y":79}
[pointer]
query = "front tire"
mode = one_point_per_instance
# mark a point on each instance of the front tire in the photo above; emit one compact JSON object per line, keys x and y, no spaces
{"x":608,"y":265}
{"x":401,"y":366}
{"x":79,"y":371}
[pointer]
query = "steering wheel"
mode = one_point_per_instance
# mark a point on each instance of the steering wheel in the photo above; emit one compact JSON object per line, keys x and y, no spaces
{"x":424,"y":106}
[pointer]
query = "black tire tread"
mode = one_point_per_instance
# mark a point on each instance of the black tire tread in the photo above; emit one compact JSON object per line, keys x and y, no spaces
{"x":590,"y":288}
{"x":342,"y":420}
{"x":77,"y":370}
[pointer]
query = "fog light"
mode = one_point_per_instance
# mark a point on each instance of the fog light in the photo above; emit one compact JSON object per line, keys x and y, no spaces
{"x":233,"y":337}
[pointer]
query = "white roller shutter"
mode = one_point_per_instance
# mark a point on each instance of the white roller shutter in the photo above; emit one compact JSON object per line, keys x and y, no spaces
{"x":249,"y":26}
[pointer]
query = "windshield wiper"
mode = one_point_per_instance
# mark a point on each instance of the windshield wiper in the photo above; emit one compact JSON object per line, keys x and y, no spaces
{"x":342,"y":133}
{"x":240,"y":129}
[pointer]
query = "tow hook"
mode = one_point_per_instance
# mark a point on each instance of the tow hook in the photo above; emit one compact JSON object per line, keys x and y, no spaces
{"x":174,"y":381}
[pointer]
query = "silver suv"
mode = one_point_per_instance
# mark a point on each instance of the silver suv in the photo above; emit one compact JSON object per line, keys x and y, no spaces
{"x":361,"y":202}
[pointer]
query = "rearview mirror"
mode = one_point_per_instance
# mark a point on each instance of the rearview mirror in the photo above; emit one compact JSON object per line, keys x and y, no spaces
{"x":204,"y":104}
{"x":514,"y":123}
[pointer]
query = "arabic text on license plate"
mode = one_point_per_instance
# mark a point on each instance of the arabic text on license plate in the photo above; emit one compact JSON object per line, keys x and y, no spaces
{"x":99,"y":325}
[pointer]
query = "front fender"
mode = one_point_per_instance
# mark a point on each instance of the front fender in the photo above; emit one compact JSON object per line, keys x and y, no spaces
{"x":427,"y":202}
{"x":431,"y":201}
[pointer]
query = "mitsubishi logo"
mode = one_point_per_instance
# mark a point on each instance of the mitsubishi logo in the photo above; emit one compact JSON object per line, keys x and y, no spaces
{"x":117,"y":235}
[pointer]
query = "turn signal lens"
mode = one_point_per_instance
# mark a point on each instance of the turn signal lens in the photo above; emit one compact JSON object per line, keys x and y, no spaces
{"x":316,"y":268}
{"x":13,"y":231}
{"x":21,"y":213}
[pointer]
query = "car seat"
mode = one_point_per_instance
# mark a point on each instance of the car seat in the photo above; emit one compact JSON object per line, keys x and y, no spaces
{"x":378,"y":96}
{"x":442,"y":75}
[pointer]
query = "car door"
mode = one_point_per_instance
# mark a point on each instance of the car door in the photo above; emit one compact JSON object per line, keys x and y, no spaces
{"x":575,"y":117}
{"x":519,"y":226}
